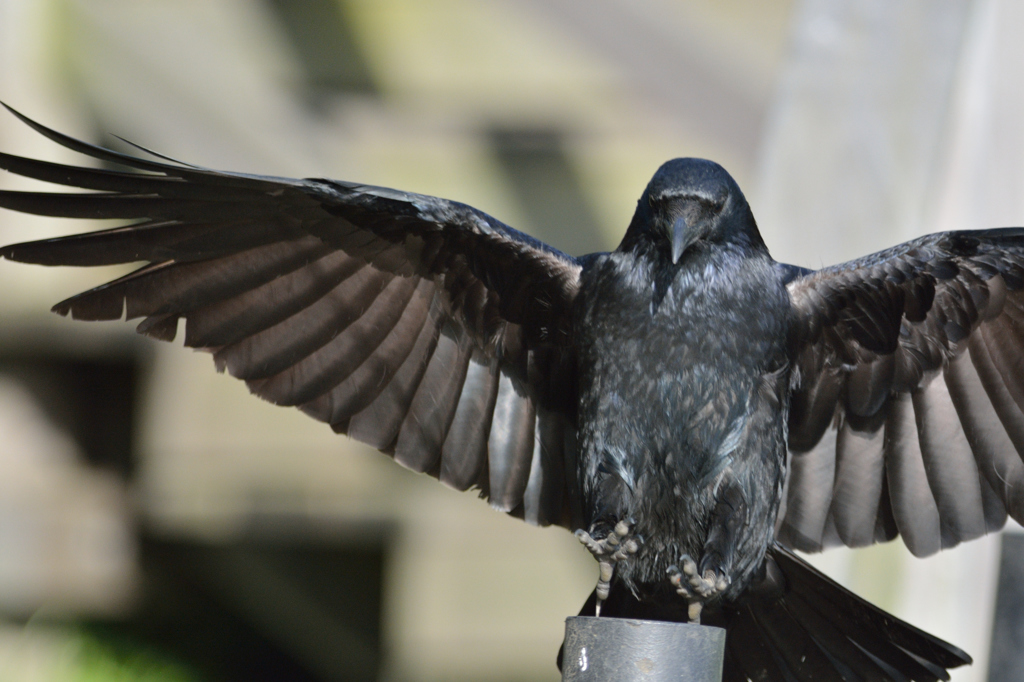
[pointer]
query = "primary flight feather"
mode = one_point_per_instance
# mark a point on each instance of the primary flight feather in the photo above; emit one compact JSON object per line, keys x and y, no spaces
{"x":690,"y":407}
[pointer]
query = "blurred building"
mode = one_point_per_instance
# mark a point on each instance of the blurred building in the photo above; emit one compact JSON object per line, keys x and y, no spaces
{"x":155,"y":500}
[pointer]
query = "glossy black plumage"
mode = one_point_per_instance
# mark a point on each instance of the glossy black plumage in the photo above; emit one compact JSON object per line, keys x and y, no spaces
{"x":726,"y":406}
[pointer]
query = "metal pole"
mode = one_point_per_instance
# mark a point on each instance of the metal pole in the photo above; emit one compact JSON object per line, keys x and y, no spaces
{"x":626,"y":650}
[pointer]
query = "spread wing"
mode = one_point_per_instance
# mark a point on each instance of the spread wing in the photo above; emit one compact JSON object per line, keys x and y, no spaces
{"x":420,"y":326}
{"x":907,"y":413}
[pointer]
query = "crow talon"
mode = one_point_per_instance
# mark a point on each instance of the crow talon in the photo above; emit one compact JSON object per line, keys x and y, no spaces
{"x":609,"y":550}
{"x":696,"y":589}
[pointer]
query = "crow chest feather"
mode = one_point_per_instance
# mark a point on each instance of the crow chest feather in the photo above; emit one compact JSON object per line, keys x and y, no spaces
{"x":682,"y":376}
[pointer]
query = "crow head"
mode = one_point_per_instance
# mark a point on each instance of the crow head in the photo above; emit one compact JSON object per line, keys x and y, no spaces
{"x":690,"y":202}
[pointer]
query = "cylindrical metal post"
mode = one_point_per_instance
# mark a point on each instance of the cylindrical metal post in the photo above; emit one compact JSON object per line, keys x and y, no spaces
{"x":626,"y":650}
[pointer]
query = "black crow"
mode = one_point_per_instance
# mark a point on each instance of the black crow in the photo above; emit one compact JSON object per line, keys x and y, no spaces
{"x":693,"y":409}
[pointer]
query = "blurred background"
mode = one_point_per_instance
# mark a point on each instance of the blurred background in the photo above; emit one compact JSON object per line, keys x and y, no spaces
{"x":158,"y":523}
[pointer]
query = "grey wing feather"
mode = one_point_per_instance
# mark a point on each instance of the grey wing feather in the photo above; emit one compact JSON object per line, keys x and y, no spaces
{"x":859,"y":477}
{"x":418,"y":325}
{"x":907,"y":409}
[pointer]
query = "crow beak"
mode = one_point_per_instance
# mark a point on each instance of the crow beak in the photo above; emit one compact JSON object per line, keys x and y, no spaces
{"x":680,"y":238}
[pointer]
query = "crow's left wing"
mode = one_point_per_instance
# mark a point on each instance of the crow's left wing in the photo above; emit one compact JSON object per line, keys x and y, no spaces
{"x":907,"y":409}
{"x":418,"y":325}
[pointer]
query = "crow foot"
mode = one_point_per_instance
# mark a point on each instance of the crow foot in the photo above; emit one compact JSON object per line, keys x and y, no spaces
{"x":608,"y":551}
{"x":697,"y":589}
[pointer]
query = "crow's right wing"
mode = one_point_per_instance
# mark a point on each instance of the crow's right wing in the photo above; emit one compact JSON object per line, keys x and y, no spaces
{"x":418,"y":325}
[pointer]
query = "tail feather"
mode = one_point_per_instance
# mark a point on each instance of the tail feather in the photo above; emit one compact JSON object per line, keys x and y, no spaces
{"x":757,"y":658}
{"x":818,"y":630}
{"x":841,"y":648}
{"x":862,"y":622}
{"x":801,"y":653}
{"x":864,"y":649}
{"x":798,"y":625}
